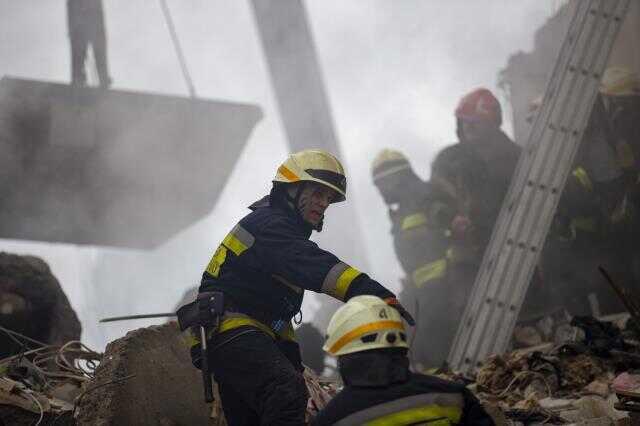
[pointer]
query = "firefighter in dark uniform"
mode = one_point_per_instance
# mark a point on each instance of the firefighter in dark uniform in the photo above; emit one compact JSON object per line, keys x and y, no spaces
{"x":419,"y":217}
{"x":86,"y":27}
{"x":620,"y":91}
{"x":263,"y":267}
{"x":476,"y":172}
{"x":370,"y":342}
{"x":479,"y":169}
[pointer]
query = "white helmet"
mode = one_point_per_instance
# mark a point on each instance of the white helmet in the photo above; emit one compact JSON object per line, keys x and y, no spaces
{"x":314,"y":166}
{"x":364,"y":323}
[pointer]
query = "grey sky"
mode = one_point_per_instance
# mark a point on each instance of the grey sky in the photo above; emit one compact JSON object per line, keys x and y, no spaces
{"x":394,"y":71}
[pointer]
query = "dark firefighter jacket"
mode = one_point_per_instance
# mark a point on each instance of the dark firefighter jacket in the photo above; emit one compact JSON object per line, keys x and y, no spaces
{"x":478,"y":176}
{"x":267,"y":261}
{"x":420,"y":400}
{"x":419,"y":236}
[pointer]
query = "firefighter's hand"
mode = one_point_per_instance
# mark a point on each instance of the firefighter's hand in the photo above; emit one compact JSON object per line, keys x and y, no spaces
{"x":459,"y":226}
{"x":393,"y":302}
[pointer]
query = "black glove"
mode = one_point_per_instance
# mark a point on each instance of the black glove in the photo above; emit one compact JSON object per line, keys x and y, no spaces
{"x":393,"y":302}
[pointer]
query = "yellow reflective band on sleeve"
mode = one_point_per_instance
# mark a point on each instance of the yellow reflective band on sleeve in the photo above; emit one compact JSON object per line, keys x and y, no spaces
{"x":434,"y":415}
{"x":362,"y":330}
{"x":238,"y":240}
{"x":429,"y":272}
{"x":583,"y":177}
{"x":213,"y":268}
{"x":413,"y":221}
{"x":345,"y":280}
{"x":338,"y":279}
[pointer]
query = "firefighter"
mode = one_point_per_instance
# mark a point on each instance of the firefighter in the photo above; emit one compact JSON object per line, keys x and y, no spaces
{"x":476,"y":172}
{"x":576,"y":244}
{"x":491,"y":158}
{"x":86,"y":27}
{"x":418,"y":225}
{"x":263,"y":267}
{"x":370,"y":342}
{"x":620,"y":91}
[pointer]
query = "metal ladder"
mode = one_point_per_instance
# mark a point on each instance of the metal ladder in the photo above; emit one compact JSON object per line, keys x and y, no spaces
{"x":521,"y":228}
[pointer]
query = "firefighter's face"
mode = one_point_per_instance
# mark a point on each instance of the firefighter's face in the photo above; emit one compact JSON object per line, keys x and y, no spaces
{"x":313,"y":202}
{"x":474,"y":131}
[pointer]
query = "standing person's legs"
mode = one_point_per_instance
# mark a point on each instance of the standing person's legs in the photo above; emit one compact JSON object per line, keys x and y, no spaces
{"x":252,"y":369}
{"x":79,"y":45}
{"x":99,"y":45}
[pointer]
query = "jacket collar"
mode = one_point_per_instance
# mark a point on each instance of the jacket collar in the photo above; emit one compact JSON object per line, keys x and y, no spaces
{"x":268,"y":201}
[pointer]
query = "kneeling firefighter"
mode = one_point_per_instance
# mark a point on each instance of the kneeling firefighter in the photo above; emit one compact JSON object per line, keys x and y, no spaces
{"x":261,"y":270}
{"x":370,"y":342}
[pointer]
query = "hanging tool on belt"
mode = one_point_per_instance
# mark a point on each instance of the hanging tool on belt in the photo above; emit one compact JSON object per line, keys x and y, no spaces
{"x":204,"y":315}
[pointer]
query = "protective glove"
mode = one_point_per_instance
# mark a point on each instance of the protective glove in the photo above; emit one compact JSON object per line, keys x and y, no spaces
{"x":393,"y":302}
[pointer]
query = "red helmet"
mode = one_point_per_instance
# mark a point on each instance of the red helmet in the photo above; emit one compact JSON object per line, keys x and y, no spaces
{"x":480,"y":105}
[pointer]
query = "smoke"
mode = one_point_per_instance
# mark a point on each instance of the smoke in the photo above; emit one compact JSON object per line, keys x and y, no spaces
{"x":394,"y":72}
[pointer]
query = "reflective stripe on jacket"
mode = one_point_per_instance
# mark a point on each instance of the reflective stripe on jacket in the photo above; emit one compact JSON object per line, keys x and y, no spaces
{"x":267,"y":261}
{"x":421,"y":399}
{"x":429,"y":408}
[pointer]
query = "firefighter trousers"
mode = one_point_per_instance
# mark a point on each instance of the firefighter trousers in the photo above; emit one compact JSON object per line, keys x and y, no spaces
{"x":260,"y":379}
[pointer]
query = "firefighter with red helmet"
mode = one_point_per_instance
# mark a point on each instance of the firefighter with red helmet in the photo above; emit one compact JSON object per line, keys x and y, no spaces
{"x":476,"y":173}
{"x":478,"y":121}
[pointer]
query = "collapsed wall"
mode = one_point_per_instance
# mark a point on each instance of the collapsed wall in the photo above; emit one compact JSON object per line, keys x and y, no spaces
{"x":145,"y":378}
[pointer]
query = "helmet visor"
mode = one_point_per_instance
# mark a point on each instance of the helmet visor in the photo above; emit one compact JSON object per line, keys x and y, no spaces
{"x":336,"y":179}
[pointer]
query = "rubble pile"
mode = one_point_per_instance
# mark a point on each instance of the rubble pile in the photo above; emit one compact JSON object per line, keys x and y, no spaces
{"x":591,"y":379}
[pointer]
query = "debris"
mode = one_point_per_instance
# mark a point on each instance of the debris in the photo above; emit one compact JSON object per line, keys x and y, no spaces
{"x":626,"y":382}
{"x":526,"y":336}
{"x":41,"y":385}
{"x":598,"y":387}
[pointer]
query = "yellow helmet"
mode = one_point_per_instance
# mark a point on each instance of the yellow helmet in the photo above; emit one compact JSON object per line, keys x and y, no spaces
{"x":314,"y":166}
{"x":364,"y":323}
{"x":620,"y":81}
{"x":388,"y":162}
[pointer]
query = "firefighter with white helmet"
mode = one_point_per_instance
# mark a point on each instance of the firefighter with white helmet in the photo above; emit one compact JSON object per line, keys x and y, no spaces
{"x":262,"y":267}
{"x":370,"y":342}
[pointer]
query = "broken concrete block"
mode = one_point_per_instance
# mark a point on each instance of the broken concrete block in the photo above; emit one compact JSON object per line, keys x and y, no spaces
{"x":145,"y":378}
